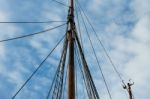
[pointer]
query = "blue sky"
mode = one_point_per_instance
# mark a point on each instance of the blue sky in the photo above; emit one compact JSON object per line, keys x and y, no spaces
{"x":122,"y":25}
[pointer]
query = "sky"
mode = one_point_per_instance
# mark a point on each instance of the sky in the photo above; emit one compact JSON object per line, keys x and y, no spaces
{"x":122,"y":25}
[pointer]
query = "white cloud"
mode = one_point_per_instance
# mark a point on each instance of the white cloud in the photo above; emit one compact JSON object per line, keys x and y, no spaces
{"x":137,"y":44}
{"x":131,"y":51}
{"x":141,"y":31}
{"x":141,"y":8}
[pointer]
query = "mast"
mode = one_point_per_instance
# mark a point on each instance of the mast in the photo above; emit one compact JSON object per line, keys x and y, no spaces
{"x":128,"y":88}
{"x":71,"y":73}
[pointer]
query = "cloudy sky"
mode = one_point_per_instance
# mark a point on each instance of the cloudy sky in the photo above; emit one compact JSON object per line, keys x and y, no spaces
{"x":122,"y":25}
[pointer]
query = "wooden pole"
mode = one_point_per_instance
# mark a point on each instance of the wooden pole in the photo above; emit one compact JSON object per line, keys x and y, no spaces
{"x":128,"y":88}
{"x":71,"y":73}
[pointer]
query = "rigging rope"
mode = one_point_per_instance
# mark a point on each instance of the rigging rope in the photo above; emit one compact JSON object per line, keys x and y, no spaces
{"x":65,"y":5}
{"x":59,"y":75}
{"x":78,"y":23}
{"x":80,"y":67}
{"x":41,"y":64}
{"x":52,"y":83}
{"x":104,"y":79}
{"x":59,"y":94}
{"x":66,"y":76}
{"x":100,"y":42}
{"x":31,"y":22}
{"x":92,"y":91}
{"x":57,"y":45}
{"x":19,"y":37}
{"x":76,"y":76}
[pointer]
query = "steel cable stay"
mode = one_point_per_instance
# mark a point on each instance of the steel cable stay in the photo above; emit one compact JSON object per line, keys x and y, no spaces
{"x":57,"y":92}
{"x":66,"y":76}
{"x":67,"y":67}
{"x":90,"y":80}
{"x":92,"y":91}
{"x":76,"y":75}
{"x":26,"y":22}
{"x":82,"y":42}
{"x":53,"y":82}
{"x":81,"y":71}
{"x":61,"y":72}
{"x":61,"y":3}
{"x":34,"y":72}
{"x":80,"y":37}
{"x":33,"y":34}
{"x":100,"y":42}
{"x":74,"y":42}
{"x":104,"y":79}
{"x":63,"y":58}
{"x":103,"y":47}
{"x":131,"y":95}
{"x":57,"y":83}
{"x":79,"y":28}
{"x":64,"y":83}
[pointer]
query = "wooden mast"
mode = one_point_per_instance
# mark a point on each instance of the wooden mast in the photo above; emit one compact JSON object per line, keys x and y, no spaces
{"x":71,"y":73}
